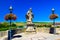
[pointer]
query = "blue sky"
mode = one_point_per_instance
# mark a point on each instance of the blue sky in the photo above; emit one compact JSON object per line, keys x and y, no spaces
{"x":40,"y":8}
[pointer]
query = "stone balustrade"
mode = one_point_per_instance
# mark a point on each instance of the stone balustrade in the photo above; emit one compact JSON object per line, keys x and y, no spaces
{"x":57,"y":30}
{"x":43,"y":30}
{"x":3,"y":33}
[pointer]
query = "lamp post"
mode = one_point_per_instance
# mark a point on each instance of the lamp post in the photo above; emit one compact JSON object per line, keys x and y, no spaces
{"x":10,"y":13}
{"x":53,"y":16}
{"x":10,"y":17}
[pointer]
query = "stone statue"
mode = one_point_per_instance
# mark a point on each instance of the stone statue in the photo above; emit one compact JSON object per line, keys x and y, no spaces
{"x":29,"y":16}
{"x":30,"y":25}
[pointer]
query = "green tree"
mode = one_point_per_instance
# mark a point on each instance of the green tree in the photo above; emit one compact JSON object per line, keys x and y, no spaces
{"x":5,"y":24}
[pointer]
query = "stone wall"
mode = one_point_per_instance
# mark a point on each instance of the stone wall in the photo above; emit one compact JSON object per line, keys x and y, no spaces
{"x":19,"y":31}
{"x":57,"y":30}
{"x":43,"y":30}
{"x":3,"y":33}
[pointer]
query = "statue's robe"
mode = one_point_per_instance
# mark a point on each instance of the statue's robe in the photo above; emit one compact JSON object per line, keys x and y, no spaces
{"x":27,"y":17}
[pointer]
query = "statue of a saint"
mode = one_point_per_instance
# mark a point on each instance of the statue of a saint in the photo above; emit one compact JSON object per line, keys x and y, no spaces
{"x":29,"y":16}
{"x":30,"y":25}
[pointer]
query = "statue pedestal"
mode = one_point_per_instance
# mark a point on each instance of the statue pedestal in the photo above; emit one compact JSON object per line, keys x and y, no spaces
{"x":31,"y":28}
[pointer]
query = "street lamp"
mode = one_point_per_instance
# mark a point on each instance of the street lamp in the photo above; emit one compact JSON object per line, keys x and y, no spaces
{"x":53,"y":16}
{"x":10,"y":17}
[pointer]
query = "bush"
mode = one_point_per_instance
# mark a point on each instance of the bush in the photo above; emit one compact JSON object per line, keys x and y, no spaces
{"x":57,"y":26}
{"x":20,"y":26}
{"x":5,"y":24}
{"x":13,"y":24}
{"x":1,"y":25}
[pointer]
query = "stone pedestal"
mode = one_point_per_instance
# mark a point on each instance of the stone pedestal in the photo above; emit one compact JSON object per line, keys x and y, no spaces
{"x":30,"y":28}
